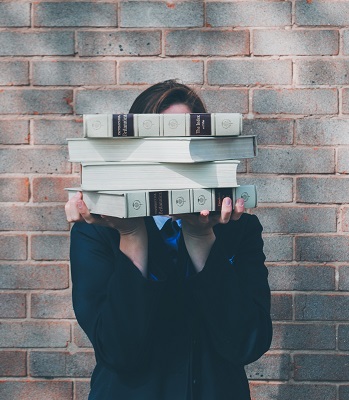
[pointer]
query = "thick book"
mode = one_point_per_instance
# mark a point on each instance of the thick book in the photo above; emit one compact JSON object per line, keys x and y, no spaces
{"x":145,"y":125}
{"x":158,"y":176}
{"x":129,"y":204}
{"x":171,"y":149}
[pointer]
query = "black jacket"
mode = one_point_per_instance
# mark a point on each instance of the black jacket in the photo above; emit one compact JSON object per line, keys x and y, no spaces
{"x":175,"y":338}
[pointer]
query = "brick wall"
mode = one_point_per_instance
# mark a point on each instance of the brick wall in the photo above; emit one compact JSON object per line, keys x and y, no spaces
{"x":283,"y":64}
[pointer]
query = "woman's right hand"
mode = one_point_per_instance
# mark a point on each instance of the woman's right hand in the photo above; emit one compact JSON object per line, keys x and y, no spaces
{"x":133,"y":233}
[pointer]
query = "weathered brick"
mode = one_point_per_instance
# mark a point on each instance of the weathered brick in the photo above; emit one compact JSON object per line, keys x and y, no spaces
{"x":250,"y":13}
{"x":13,"y":363}
{"x":322,"y":13}
{"x":46,"y":131}
{"x":346,"y":42}
{"x":270,"y":131}
{"x":13,"y":305}
{"x":105,"y":101}
{"x":34,"y":276}
{"x":295,"y":101}
{"x":14,"y":189}
{"x":150,"y":71}
{"x":295,"y":42}
{"x":47,"y":189}
{"x":343,"y":392}
{"x":34,"y":160}
{"x":138,"y":14}
{"x":14,"y":14}
{"x":14,"y":72}
{"x":34,"y":334}
{"x":225,"y":100}
{"x":50,"y":247}
{"x":81,"y":389}
{"x":343,"y":160}
{"x":319,"y":132}
{"x":270,"y":190}
{"x":322,"y":72}
{"x":68,"y":73}
{"x":61,"y":364}
{"x":121,"y":43}
{"x":49,"y":43}
{"x":36,"y":390}
{"x":14,"y":132}
{"x":281,"y":307}
{"x":332,"y":189}
{"x":334,"y":367}
{"x":57,"y":305}
{"x":343,"y":279}
{"x":270,"y":366}
{"x":75,"y":14}
{"x":33,"y":218}
{"x":322,"y":248}
{"x":290,"y":391}
{"x":346,"y":101}
{"x":278,"y":248}
{"x":343,"y":337}
{"x":294,"y":277}
{"x":36,"y":101}
{"x":304,"y":336}
{"x":207,"y":43}
{"x":13,"y":247}
{"x":322,"y":307}
{"x":345,"y":219}
{"x":294,"y":160}
{"x":297,"y":219}
{"x":249,"y":72}
{"x":79,"y":336}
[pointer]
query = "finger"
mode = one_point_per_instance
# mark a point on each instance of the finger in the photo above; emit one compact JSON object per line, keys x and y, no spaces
{"x":238,"y":210}
{"x":84,"y":212}
{"x":204,"y":216}
{"x":226,"y":210}
{"x":71,"y":210}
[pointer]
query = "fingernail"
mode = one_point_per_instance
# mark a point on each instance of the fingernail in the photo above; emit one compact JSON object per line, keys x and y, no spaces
{"x":241,"y":201}
{"x":79,"y":204}
{"x":227,"y":201}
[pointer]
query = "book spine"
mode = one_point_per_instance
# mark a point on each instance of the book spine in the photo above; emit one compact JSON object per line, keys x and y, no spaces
{"x":148,"y":125}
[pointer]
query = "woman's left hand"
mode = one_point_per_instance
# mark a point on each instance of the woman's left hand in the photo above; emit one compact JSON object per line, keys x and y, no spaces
{"x":198,"y":229}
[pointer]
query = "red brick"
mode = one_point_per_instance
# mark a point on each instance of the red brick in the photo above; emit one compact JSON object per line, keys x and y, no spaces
{"x":36,"y":390}
{"x":13,"y":305}
{"x":48,"y":131}
{"x":29,"y":334}
{"x":281,"y":306}
{"x":54,"y":305}
{"x":47,"y":189}
{"x":35,"y":276}
{"x":82,"y":389}
{"x":14,"y":189}
{"x":270,"y":366}
{"x":14,"y":132}
{"x":50,"y":247}
{"x":36,"y":160}
{"x":13,"y":363}
{"x":13,"y":247}
{"x":33,"y":218}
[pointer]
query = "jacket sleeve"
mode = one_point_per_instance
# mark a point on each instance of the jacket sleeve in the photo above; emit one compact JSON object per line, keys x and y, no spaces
{"x":232,"y":293}
{"x":113,"y":303}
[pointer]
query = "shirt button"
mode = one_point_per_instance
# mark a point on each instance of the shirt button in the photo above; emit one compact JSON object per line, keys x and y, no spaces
{"x":194,"y":381}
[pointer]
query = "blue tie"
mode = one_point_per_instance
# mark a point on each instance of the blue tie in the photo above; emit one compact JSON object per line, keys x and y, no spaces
{"x":170,"y":233}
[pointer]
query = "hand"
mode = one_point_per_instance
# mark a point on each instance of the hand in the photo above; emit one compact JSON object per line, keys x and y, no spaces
{"x":198,"y":230}
{"x":77,"y":211}
{"x":133,"y":233}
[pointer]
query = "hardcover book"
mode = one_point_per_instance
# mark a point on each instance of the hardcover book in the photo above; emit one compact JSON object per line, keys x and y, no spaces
{"x":128,"y":204}
{"x":158,"y":176}
{"x":143,"y":125}
{"x":171,"y":149}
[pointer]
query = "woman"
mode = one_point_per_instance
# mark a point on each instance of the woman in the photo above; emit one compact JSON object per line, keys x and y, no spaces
{"x":170,"y":320}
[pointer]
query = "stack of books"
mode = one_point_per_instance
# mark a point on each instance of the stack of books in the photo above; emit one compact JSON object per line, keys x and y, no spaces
{"x":135,"y":165}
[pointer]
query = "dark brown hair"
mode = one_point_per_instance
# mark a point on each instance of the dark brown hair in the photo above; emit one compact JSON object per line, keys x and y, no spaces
{"x":159,"y":97}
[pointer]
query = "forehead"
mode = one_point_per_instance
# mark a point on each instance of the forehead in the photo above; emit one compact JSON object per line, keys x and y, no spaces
{"x":177,"y":109}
